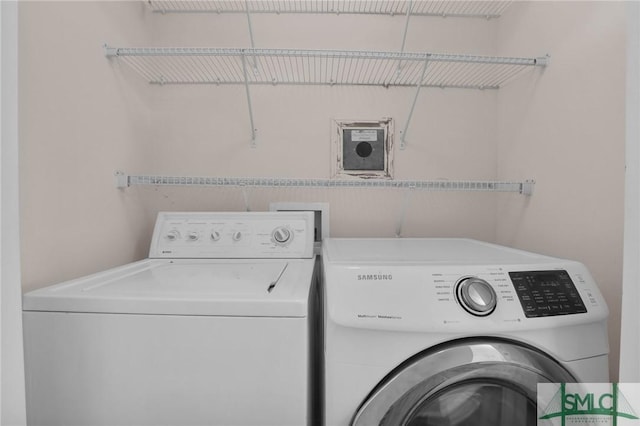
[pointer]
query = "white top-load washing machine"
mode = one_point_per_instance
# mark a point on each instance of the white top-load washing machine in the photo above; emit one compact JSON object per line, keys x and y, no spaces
{"x":453,"y":332}
{"x":212,"y":329}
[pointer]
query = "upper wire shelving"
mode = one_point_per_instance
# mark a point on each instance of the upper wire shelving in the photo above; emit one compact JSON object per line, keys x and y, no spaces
{"x":472,"y":9}
{"x":252,"y":66}
{"x":181,"y":65}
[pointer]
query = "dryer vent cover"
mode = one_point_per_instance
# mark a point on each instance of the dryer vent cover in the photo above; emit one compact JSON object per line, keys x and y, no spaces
{"x":363,"y":148}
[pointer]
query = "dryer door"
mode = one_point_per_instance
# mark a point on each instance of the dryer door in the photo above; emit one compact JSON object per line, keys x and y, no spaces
{"x":465,"y":383}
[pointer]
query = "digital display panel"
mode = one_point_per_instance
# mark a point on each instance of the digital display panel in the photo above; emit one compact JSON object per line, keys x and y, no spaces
{"x":547,"y":293}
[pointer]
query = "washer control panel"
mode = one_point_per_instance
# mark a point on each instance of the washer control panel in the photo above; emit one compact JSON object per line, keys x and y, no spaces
{"x":243,"y":235}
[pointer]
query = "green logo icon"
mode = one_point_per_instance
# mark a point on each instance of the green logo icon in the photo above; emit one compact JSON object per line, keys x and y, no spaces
{"x":581,"y":404}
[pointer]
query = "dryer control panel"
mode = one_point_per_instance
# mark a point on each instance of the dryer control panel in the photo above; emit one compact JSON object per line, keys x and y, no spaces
{"x":241,"y":235}
{"x":547,"y":293}
{"x":454,"y":285}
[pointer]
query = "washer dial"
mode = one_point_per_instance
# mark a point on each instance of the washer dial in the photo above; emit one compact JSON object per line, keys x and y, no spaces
{"x":476,"y":296}
{"x":172,"y":235}
{"x":281,"y":235}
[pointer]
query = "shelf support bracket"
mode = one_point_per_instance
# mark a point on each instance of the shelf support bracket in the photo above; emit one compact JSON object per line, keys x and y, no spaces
{"x":109,"y":51}
{"x":404,"y":209}
{"x":246,"y":86}
{"x":248,"y":10}
{"x":245,"y":197}
{"x":246,"y":76}
{"x":406,"y":29}
{"x":254,"y":62}
{"x":526,"y":187}
{"x":122,"y":180}
{"x":403,"y":137}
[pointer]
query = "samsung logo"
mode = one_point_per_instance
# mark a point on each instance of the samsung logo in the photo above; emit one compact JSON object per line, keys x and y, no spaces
{"x":375,"y":277}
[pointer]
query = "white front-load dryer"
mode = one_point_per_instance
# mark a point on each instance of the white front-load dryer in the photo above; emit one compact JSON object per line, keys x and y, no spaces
{"x":453,"y":332}
{"x":214,"y":328}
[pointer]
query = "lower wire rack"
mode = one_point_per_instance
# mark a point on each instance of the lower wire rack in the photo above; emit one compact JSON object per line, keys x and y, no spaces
{"x":521,"y":187}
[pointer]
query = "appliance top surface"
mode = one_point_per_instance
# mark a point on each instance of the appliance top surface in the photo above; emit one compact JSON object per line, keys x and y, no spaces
{"x":228,"y":287}
{"x":453,"y":251}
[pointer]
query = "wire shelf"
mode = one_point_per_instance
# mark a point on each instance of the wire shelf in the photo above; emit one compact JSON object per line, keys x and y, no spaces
{"x":525,"y":188}
{"x":473,"y":9}
{"x":181,"y":65}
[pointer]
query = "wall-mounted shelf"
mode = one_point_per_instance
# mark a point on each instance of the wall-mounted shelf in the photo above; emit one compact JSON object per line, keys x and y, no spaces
{"x":219,"y":66}
{"x":473,"y":9}
{"x":180,"y":65}
{"x":524,"y":187}
{"x":279,"y":66}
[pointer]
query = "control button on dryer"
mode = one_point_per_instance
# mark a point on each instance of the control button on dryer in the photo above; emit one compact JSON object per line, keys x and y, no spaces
{"x":193,"y":236}
{"x":476,"y":296}
{"x":237,"y":236}
{"x":215,"y":235}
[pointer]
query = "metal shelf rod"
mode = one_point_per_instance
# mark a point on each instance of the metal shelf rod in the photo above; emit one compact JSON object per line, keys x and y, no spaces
{"x":524,"y":187}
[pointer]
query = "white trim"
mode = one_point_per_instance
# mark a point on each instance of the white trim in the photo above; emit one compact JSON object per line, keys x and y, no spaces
{"x":12,"y":396}
{"x":630,"y":332}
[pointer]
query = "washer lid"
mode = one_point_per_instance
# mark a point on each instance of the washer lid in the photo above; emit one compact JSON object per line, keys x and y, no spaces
{"x":256,"y":288}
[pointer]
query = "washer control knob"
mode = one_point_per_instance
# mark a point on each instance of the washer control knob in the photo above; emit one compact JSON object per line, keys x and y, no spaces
{"x":215,"y":235}
{"x":237,"y":236}
{"x":281,"y":235}
{"x":172,"y":235}
{"x":476,"y":296}
{"x":193,"y":236}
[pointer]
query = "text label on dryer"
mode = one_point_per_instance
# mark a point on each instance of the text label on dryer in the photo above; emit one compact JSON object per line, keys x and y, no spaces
{"x":375,"y":277}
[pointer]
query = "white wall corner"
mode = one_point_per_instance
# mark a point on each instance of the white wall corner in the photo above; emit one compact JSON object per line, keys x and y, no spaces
{"x":630,"y":332}
{"x":12,"y":396}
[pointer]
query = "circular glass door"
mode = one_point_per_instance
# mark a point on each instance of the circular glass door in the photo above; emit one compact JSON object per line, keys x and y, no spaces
{"x":475,"y":404}
{"x":464,"y":383}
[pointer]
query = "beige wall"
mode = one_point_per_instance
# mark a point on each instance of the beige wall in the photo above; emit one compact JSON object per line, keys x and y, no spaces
{"x":565,"y":128}
{"x":83,"y":116}
{"x":78,"y":122}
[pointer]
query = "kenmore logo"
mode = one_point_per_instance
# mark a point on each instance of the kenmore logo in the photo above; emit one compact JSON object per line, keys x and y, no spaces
{"x":375,"y":277}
